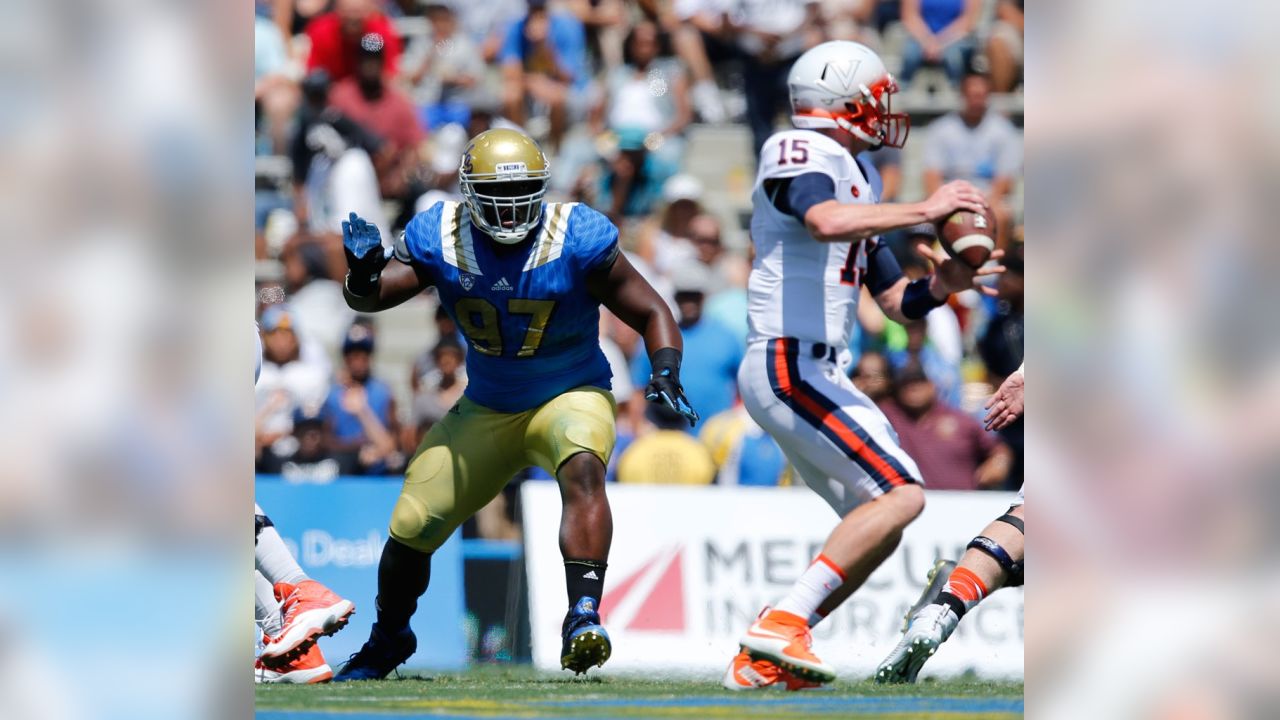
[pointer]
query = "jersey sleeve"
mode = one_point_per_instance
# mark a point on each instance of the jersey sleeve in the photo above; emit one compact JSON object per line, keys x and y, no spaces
{"x":419,"y":244}
{"x":595,"y":239}
{"x":791,"y":153}
{"x":795,"y":196}
{"x":883,"y":269}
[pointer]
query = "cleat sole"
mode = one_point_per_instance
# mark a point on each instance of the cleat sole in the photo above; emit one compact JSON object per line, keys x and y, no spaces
{"x":590,"y":649}
{"x":905,"y":670}
{"x":801,"y":671}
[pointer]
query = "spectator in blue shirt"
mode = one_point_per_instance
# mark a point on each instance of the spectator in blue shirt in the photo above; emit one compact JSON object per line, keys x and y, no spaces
{"x":360,"y":411}
{"x":544,"y":60}
{"x":712,"y":352}
{"x":939,"y":32}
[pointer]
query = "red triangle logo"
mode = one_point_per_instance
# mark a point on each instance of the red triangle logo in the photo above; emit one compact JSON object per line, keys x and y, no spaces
{"x":623,"y":589}
{"x":662,"y":609}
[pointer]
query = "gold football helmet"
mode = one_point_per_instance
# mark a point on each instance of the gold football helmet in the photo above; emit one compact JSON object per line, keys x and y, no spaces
{"x":504,"y":177}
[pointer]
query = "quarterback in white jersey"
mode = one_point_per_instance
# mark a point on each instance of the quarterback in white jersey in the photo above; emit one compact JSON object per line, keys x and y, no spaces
{"x":815,"y":225}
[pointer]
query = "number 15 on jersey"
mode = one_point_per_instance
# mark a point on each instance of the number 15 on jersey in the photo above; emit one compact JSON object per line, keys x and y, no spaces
{"x":793,"y":151}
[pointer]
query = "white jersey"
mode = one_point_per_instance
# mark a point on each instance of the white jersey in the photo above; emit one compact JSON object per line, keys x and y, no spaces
{"x":799,"y":287}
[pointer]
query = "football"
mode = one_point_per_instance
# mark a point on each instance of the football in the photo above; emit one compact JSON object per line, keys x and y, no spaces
{"x":969,"y":236}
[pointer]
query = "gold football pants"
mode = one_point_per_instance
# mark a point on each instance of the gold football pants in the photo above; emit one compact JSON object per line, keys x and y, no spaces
{"x":467,"y":458}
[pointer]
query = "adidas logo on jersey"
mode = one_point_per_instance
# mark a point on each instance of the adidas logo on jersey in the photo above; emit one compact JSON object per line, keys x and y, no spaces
{"x":591,"y":576}
{"x":502,"y":286}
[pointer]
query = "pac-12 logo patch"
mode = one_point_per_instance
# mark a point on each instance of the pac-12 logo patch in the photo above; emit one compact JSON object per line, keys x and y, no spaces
{"x":466,"y":280}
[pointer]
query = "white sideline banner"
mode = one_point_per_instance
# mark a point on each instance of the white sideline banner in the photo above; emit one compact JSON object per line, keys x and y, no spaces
{"x":691,"y":567}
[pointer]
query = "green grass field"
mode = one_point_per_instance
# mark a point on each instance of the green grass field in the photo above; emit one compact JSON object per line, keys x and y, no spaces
{"x":517,"y":692}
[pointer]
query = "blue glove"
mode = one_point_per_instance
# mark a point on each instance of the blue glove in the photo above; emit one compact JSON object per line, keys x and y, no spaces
{"x":365,"y":255}
{"x":664,"y":384}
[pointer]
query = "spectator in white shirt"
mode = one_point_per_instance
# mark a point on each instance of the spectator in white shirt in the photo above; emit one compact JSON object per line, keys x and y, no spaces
{"x":977,"y":145}
{"x":295,"y":374}
{"x":320,"y":312}
{"x":771,"y":34}
{"x":645,"y":106}
{"x":444,"y":69}
{"x":701,"y":37}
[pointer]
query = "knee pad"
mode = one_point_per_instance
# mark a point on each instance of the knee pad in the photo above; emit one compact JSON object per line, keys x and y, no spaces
{"x":1013,"y":520}
{"x":1000,"y":555}
{"x":412,"y":524}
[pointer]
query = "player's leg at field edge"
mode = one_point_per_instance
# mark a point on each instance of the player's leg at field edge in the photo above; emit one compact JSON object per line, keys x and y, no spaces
{"x":586,"y":524}
{"x":403,"y":576}
{"x":866,"y":537}
{"x":270,"y":555}
{"x":977,"y":576}
{"x":983,"y":565}
{"x":266,"y":606}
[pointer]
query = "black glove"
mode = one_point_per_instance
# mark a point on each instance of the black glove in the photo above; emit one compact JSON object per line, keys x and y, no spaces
{"x":664,"y":384}
{"x":365,"y":255}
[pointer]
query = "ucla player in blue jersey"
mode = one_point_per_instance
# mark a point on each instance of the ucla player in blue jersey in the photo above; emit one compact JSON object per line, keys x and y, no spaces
{"x":524,"y":281}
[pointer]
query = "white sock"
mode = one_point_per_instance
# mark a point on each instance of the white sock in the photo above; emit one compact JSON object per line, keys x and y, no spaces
{"x":266,"y":607}
{"x":272,"y":558}
{"x":820,"y":580}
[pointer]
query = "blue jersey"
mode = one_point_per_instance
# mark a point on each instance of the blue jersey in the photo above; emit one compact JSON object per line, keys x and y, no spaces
{"x":532,"y":326}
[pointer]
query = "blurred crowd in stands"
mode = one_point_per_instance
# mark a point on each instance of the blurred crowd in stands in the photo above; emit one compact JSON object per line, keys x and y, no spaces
{"x":366,"y":105}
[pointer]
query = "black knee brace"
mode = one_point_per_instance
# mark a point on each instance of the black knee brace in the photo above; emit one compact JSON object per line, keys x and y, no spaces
{"x":260,"y":523}
{"x":1012,"y":520}
{"x":1010,"y":566}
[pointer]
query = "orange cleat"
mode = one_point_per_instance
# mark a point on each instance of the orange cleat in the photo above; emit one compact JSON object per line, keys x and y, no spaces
{"x":308,"y":667}
{"x":311,"y":611}
{"x":784,"y":639}
{"x":744,"y":673}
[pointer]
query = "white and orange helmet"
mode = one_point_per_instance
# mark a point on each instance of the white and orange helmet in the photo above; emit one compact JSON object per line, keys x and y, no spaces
{"x":843,"y":84}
